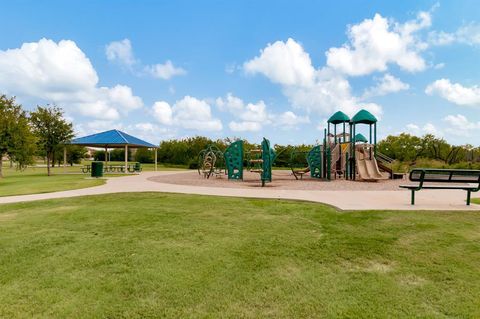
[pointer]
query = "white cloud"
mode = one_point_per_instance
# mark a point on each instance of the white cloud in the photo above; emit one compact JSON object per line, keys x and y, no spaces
{"x":122,"y":95}
{"x":427,"y":128}
{"x":290,"y":120}
{"x":60,"y":73}
{"x":285,"y":63}
{"x":120,"y":51}
{"x":163,"y":112}
{"x":467,"y":34}
{"x":249,"y":117}
{"x":459,"y":125}
{"x":150,"y":132}
{"x":441,"y":38}
{"x":244,"y":126}
{"x":455,"y":92}
{"x":164,"y":71}
{"x":189,"y":113}
{"x":387,"y":84}
{"x":255,"y":112}
{"x":413,"y":129}
{"x":147,"y":131}
{"x":375,"y":43}
{"x":322,"y":91}
{"x":230,"y":103}
{"x":253,"y":116}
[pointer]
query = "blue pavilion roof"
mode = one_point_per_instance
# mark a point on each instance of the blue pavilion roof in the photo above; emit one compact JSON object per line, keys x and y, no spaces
{"x":112,"y":138}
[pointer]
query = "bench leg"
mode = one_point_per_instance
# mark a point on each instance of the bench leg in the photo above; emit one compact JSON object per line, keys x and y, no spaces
{"x":413,"y":197}
{"x":468,"y":197}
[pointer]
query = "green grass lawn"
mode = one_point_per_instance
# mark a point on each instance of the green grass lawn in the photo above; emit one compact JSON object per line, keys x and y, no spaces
{"x":159,"y":255}
{"x":34,"y":180}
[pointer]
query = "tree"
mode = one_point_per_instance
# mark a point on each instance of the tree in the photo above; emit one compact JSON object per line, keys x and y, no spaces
{"x":75,"y":154}
{"x":51,"y":129}
{"x":404,"y":147}
{"x":144,"y":155}
{"x":16,"y":138}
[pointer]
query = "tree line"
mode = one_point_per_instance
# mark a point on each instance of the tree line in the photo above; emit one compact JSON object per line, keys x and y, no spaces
{"x":410,"y":149}
{"x":24,"y":135}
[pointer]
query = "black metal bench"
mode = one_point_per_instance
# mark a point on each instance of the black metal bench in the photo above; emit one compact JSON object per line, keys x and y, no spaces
{"x":462,"y":179}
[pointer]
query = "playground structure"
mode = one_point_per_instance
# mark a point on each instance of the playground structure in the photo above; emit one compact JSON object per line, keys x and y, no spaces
{"x":339,"y":157}
{"x":211,"y":162}
{"x":261,"y":161}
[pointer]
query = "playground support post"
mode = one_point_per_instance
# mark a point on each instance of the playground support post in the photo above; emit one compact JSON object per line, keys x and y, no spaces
{"x":335,"y":133}
{"x":351,"y":148}
{"x":374,"y":137}
{"x":353,"y":153}
{"x":329,"y":163}
{"x":324,"y":163}
{"x":347,"y":166}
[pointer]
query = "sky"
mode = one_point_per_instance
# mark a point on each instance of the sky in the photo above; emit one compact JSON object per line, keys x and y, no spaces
{"x":247,"y":69}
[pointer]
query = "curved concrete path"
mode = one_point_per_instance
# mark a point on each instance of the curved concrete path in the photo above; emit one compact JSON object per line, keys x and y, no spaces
{"x":346,"y":200}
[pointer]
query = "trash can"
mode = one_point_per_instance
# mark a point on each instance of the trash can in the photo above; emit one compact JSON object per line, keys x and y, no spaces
{"x":97,"y":169}
{"x":138,"y":167}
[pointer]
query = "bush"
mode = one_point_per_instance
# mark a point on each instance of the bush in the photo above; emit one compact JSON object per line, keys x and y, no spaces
{"x":144,"y":155}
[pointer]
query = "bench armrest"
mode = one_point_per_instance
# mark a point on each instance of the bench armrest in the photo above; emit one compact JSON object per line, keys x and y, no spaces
{"x":420,"y":183}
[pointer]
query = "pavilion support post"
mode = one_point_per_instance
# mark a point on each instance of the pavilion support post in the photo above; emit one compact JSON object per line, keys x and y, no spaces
{"x":126,"y":158}
{"x":64,"y":159}
{"x":106,"y":156}
{"x":155,"y":150}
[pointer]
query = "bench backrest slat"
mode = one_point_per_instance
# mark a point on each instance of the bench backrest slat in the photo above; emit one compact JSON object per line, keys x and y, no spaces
{"x":445,"y":175}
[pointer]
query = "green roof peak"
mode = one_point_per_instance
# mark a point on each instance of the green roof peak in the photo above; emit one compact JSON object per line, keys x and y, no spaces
{"x":360,"y":138}
{"x":339,"y":117}
{"x":364,"y":117}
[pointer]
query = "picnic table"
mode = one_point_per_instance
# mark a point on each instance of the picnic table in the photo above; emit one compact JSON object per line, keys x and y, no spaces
{"x":131,"y":168}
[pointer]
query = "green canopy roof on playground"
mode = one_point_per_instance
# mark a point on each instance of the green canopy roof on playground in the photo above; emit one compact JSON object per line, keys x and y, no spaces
{"x":364,"y":117}
{"x":360,"y":138}
{"x":339,"y":117}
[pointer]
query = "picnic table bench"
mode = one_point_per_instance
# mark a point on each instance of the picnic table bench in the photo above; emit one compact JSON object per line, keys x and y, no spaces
{"x":136,"y":167}
{"x":429,"y":178}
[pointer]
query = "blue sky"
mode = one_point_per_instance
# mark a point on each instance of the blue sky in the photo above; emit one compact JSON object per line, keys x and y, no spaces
{"x":248,"y":69}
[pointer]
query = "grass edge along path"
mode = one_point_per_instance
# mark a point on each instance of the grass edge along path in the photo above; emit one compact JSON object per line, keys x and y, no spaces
{"x":169,"y":255}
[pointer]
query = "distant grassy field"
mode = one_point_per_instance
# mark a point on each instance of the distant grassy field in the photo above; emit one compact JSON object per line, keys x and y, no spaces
{"x":34,"y":180}
{"x":159,"y":255}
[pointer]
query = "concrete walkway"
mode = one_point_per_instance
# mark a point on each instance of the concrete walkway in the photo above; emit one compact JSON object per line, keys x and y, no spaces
{"x":346,"y":200}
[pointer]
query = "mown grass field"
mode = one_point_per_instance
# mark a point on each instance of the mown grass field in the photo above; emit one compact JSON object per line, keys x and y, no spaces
{"x":34,"y":180}
{"x":158,"y":255}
